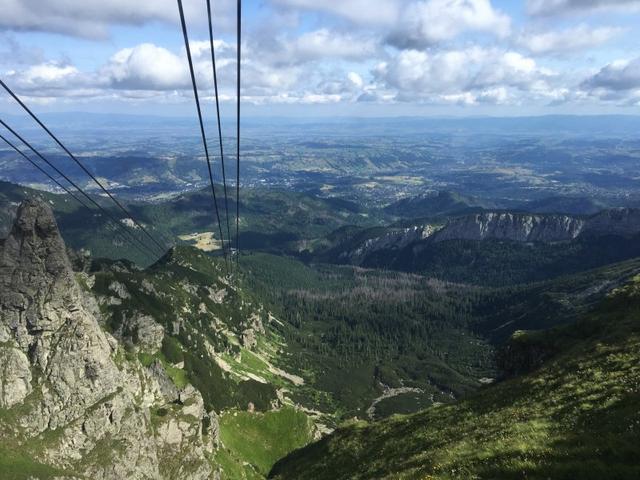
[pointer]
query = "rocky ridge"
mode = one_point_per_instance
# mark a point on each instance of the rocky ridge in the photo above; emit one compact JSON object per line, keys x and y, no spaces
{"x":74,"y":398}
{"x":507,"y":226}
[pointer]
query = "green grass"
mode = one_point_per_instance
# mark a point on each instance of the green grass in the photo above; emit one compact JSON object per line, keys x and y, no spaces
{"x":17,"y":464}
{"x":262,"y":438}
{"x":576,"y":417}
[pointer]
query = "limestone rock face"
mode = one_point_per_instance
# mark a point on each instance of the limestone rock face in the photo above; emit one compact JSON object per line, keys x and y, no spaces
{"x":72,"y":380}
{"x":248,"y":338}
{"x":143,"y":331}
{"x":15,"y":377}
{"x":512,"y":226}
{"x":392,"y":240}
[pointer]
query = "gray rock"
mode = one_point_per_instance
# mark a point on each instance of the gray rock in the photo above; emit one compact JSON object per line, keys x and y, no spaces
{"x":142,"y":331}
{"x":165,"y":384}
{"x":248,"y":338}
{"x":99,"y":409}
{"x":512,"y":226}
{"x":15,"y":376}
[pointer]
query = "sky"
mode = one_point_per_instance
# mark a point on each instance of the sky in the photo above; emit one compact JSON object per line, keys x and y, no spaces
{"x":327,"y":57}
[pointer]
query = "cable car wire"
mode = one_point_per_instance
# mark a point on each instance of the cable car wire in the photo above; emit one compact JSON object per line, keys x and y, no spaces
{"x":73,"y":157}
{"x":202,"y":132}
{"x":239,"y":51}
{"x":69,"y":192}
{"x":87,"y":196}
{"x":215,"y":86}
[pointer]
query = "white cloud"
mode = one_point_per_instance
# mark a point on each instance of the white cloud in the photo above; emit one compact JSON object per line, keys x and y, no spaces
{"x":425,"y":23}
{"x":466,"y":76}
{"x":620,"y":75}
{"x":362,"y":12}
{"x":146,"y":67}
{"x":356,"y":79}
{"x":47,"y":77}
{"x":93,"y":18}
{"x":414,"y":23}
{"x":559,"y":7}
{"x":325,"y":44}
{"x":577,"y":38}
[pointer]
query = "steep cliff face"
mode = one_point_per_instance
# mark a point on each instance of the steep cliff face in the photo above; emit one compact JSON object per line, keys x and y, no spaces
{"x":394,"y":239}
{"x":513,"y":226}
{"x":72,"y":396}
{"x":516,"y":227}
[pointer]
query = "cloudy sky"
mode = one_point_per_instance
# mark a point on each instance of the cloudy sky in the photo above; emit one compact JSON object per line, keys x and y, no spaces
{"x":325,"y":57}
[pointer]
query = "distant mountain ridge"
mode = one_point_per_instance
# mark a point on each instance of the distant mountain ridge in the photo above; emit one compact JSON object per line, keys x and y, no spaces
{"x":438,"y":203}
{"x":497,"y":248}
{"x":517,"y":227}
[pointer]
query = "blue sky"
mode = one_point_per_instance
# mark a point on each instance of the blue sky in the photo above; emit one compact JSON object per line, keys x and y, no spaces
{"x":329,"y":57}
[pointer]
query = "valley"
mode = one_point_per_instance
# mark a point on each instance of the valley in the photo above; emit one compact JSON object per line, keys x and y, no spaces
{"x":385,"y":302}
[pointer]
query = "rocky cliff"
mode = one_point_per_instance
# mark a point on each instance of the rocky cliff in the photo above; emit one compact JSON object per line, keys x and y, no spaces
{"x":72,"y":398}
{"x":513,"y":226}
{"x":393,"y":239}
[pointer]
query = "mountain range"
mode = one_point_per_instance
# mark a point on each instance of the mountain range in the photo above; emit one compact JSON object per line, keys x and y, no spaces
{"x":177,"y":364}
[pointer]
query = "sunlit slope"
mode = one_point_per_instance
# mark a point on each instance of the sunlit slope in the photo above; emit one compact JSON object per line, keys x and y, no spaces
{"x":576,"y":416}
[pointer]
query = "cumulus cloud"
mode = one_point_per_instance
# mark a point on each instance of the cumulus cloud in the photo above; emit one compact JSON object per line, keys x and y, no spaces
{"x":357,"y":11}
{"x":427,"y":51}
{"x":620,"y":75}
{"x":93,"y":19}
{"x":146,"y":67}
{"x":425,"y":23}
{"x":573,"y":39}
{"x":466,"y":76}
{"x":46,"y":76}
{"x":414,"y":23}
{"x":556,"y":7}
{"x":324,"y":43}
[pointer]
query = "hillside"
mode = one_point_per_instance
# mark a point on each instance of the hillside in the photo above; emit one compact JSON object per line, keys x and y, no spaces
{"x":438,"y":204}
{"x":272,"y":220}
{"x":575,"y":416}
{"x":112,"y":371}
{"x":490,"y":248}
{"x":273,"y":358}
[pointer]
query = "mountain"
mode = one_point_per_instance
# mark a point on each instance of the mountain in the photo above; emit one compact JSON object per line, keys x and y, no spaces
{"x":111,"y":371}
{"x":574,"y":415}
{"x":272,"y":220}
{"x":490,"y":248}
{"x":437,"y":204}
{"x":566,"y":205}
{"x":70,"y":397}
{"x":521,"y":227}
{"x":512,"y":226}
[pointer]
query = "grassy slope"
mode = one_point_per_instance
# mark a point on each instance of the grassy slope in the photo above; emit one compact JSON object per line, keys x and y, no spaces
{"x":575,"y":417}
{"x":255,"y":441}
{"x":15,"y":464}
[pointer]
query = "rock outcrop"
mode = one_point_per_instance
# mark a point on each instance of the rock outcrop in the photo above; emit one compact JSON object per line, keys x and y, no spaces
{"x":512,"y":226}
{"x":393,"y":239}
{"x":516,"y":227}
{"x":66,"y":380}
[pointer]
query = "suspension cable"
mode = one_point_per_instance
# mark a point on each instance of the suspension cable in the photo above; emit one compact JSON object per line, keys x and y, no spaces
{"x":87,"y":196}
{"x":73,"y":157}
{"x":239,"y":50}
{"x":69,"y":192}
{"x":204,"y":137}
{"x":215,"y":86}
